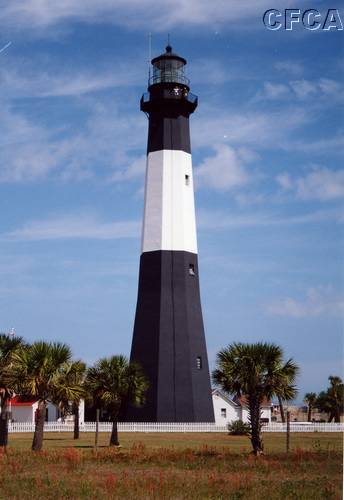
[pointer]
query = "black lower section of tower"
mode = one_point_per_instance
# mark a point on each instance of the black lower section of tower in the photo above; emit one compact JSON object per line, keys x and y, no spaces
{"x":169,"y":341}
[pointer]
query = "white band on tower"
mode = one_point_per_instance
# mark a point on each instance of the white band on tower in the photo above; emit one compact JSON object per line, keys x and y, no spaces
{"x":169,"y":211}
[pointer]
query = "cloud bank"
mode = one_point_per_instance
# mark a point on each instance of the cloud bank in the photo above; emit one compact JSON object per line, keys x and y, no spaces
{"x":319,"y":301}
{"x":320,"y":184}
{"x":135,"y":14}
{"x":80,"y":226}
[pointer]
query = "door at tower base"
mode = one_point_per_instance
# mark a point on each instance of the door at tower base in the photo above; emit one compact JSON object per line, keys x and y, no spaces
{"x":169,"y":341}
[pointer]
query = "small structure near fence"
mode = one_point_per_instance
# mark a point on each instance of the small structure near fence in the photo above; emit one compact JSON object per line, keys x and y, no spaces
{"x":25,"y":410}
{"x":227,"y":409}
{"x":172,"y":427}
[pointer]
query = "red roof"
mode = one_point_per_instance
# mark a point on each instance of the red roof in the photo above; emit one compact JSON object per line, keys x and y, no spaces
{"x":17,"y":401}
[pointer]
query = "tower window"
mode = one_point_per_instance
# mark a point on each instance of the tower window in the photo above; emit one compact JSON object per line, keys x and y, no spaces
{"x":199,"y":363}
{"x":187,"y":180}
{"x":223,"y":412}
{"x":191,"y":270}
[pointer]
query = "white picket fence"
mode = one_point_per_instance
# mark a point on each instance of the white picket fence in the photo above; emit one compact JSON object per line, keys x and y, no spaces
{"x":172,"y":427}
{"x":304,"y":427}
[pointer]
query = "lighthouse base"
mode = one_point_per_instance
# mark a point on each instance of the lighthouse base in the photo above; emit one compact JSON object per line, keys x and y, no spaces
{"x":169,"y":341}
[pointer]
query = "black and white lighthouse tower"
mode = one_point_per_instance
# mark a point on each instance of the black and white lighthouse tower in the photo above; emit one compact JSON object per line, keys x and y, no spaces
{"x":168,"y":340}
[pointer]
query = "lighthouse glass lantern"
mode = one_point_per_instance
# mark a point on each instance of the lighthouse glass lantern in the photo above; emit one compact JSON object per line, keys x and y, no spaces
{"x":169,"y":68}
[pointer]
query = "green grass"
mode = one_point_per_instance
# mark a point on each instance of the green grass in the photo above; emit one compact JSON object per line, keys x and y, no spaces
{"x":274,"y":442}
{"x":172,"y":466}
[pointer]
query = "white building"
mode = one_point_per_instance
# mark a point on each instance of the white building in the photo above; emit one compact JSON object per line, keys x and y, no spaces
{"x":227,"y":409}
{"x":25,"y":411}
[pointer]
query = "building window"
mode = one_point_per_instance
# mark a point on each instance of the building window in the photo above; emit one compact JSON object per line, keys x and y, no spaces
{"x":187,"y":180}
{"x":191,"y":270}
{"x":199,"y":363}
{"x":223,"y":412}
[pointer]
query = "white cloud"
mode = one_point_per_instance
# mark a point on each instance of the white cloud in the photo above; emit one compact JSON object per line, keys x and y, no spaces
{"x":26,"y":149}
{"x":211,"y":71}
{"x":107,"y":142}
{"x":290,"y":67}
{"x":302,"y":89}
{"x":134,"y":170}
{"x":247,"y":129}
{"x":35,"y":14}
{"x":33,"y":151}
{"x":275,"y":90}
{"x":225,"y":170}
{"x":330,"y":86}
{"x":246,"y":199}
{"x":319,"y":301}
{"x":218,"y":220}
{"x":284,"y":180}
{"x":84,"y":226}
{"x":320,"y":184}
{"x":328,"y":144}
{"x":23,"y":79}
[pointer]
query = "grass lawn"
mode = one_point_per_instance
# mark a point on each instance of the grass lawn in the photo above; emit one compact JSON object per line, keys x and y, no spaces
{"x":173,"y":466}
{"x":274,"y":442}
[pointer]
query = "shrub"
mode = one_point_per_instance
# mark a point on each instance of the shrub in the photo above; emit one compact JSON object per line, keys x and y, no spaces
{"x":238,"y":428}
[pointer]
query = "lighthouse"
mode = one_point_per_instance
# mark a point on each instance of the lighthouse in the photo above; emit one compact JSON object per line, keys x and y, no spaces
{"x":168,"y":339}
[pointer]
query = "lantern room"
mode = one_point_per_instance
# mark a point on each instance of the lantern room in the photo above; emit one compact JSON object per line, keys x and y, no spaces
{"x":168,"y":68}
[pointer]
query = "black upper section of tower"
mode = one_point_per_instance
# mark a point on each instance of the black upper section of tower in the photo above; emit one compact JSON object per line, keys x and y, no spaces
{"x":168,"y":103}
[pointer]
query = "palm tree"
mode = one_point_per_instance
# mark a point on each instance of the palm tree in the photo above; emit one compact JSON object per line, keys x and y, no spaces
{"x":331,"y":401}
{"x":8,"y":345}
{"x":37,"y":372}
{"x":310,"y":400}
{"x":256,"y":371}
{"x":71,"y":375}
{"x":113,"y":383}
{"x":336,"y":393}
{"x":282,"y":395}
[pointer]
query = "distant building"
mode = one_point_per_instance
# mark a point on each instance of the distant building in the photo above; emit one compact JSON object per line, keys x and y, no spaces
{"x":25,"y":410}
{"x":227,"y":409}
{"x":298,"y":414}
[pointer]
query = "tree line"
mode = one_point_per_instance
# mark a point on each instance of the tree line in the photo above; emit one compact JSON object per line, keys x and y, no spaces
{"x":45,"y":371}
{"x":330,"y":401}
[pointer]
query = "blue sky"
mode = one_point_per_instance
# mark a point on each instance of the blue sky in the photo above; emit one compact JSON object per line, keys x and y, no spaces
{"x":267,"y":144}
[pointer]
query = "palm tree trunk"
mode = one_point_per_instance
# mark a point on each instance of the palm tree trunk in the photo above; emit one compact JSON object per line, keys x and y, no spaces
{"x":76,"y":420}
{"x":309,"y":417}
{"x":96,"y":437}
{"x":254,"y":417}
{"x":37,"y":442}
{"x":4,"y":423}
{"x":114,"y":434}
{"x":280,"y":403}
